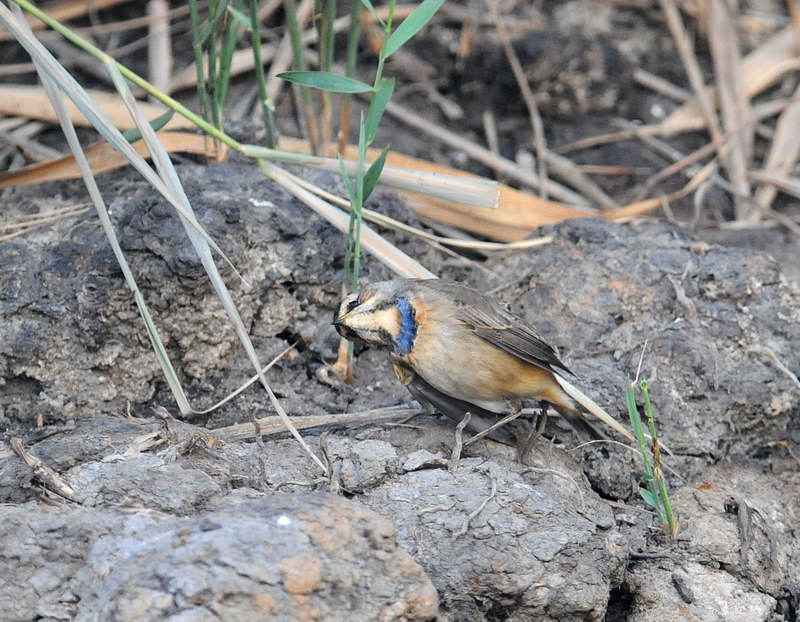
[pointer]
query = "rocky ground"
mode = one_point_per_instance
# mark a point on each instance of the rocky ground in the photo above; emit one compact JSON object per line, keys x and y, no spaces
{"x":168,"y":522}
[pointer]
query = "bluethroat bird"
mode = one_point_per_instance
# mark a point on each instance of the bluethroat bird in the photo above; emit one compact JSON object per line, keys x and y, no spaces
{"x":458,"y":350}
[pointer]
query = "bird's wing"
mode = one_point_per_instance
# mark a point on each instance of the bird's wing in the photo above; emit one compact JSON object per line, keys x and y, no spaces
{"x":455,"y":409}
{"x":490,"y":321}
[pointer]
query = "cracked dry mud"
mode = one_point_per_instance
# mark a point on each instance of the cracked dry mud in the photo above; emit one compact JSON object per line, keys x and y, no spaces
{"x":230,"y":531}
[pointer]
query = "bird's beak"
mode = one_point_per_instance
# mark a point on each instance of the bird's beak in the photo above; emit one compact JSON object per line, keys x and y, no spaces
{"x":339,"y":320}
{"x":339,"y":323}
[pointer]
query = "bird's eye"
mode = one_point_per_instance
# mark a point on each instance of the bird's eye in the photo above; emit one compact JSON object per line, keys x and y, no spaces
{"x":352,"y":305}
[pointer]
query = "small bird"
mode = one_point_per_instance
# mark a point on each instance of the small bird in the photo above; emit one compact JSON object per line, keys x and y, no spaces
{"x":457,"y":350}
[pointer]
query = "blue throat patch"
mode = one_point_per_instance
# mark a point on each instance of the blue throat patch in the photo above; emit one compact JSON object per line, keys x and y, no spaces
{"x":408,"y":327}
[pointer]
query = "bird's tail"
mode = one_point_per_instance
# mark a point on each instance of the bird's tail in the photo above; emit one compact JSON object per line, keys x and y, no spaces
{"x":591,"y":406}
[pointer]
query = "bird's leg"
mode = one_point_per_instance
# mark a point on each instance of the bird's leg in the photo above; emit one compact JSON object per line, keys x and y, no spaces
{"x":459,"y":445}
{"x":536,"y":430}
{"x":516,"y":411}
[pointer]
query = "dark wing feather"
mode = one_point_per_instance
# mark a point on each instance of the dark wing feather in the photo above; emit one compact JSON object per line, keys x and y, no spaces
{"x":492,"y":322}
{"x":455,"y":409}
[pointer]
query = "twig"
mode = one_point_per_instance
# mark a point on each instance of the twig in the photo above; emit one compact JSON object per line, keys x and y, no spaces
{"x":660,"y":85}
{"x":490,"y":130}
{"x":47,"y":476}
{"x":567,"y":170}
{"x":770,"y":354}
{"x":683,"y":299}
{"x":455,"y":456}
{"x":784,"y":148}
{"x":33,"y":150}
{"x":693,"y":71}
{"x":527,"y":95}
{"x":484,"y":433}
{"x":733,"y":102}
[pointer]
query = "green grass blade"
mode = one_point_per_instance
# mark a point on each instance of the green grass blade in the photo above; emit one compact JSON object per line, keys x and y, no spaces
{"x":368,"y":5}
{"x":170,"y":177}
{"x":197,"y":48}
{"x":290,"y":8}
{"x":326,"y":81}
{"x":94,"y":192}
{"x":669,"y":516}
{"x":396,"y":260}
{"x":267,"y":107}
{"x":93,"y":113}
{"x":638,"y":430}
{"x":648,"y":497}
{"x":226,"y":55}
{"x":373,"y":173}
{"x":346,"y":180}
{"x":377,"y":106}
{"x":411,"y":25}
{"x":351,"y":225}
{"x":239,"y":16}
{"x":219,"y":10}
{"x":133,"y":135}
{"x":326,"y":38}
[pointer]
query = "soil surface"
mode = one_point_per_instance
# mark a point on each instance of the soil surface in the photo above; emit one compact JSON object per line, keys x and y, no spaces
{"x":164,"y":521}
{"x":391,"y":533}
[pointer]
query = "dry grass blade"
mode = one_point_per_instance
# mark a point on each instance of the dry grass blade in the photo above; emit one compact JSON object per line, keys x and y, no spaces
{"x":473,"y":191}
{"x":102,"y":157}
{"x":17,"y":100}
{"x":660,"y":85}
{"x":571,"y":173}
{"x":45,"y":474}
{"x":784,"y":150}
{"x":692,"y":67}
{"x":30,"y":148}
{"x":178,"y":198}
{"x":734,"y":104}
{"x":24,"y":225}
{"x":396,"y":225}
{"x":16,"y":69}
{"x":789,"y":185}
{"x":393,"y":257}
{"x":65,"y":11}
{"x":507,"y":167}
{"x":682,"y":163}
{"x":758,"y":71}
{"x":518,"y":213}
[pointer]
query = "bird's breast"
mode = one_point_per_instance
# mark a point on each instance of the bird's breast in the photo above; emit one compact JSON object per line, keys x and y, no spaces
{"x":454,"y":360}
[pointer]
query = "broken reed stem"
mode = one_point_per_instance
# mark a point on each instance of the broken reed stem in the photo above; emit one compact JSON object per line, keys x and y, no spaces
{"x":272,"y":425}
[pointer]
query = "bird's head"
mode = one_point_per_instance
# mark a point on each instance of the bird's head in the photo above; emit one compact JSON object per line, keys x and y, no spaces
{"x":382,"y":314}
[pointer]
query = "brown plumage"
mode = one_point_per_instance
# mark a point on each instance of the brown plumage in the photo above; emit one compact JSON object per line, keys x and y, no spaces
{"x":458,"y":350}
